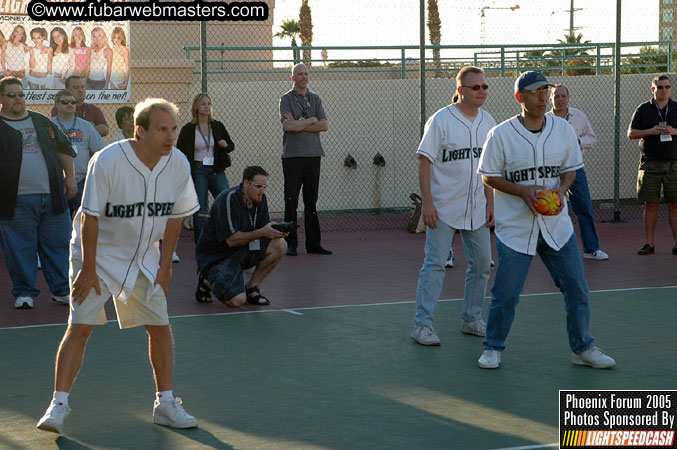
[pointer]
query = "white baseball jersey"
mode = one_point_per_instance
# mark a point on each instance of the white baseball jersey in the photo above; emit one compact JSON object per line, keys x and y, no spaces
{"x":520,"y":156}
{"x":453,"y":144}
{"x":132,"y":204}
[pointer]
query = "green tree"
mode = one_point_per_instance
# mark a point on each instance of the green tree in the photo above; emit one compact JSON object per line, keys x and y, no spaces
{"x":435,"y":31}
{"x":649,"y":60}
{"x":289,"y":29}
{"x":575,"y":56}
{"x":306,"y":29}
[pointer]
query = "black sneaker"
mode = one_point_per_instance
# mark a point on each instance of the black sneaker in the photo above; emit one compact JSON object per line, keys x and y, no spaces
{"x":646,"y":250}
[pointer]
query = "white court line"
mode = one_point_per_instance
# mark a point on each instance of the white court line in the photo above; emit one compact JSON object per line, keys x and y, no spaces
{"x":529,"y":447}
{"x":309,"y":308}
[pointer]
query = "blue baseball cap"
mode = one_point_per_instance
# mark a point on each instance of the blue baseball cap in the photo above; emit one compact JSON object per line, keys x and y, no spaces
{"x":530,"y":81}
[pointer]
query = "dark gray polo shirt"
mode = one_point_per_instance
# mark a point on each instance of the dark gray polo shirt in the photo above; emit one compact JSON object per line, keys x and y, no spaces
{"x":303,"y":143}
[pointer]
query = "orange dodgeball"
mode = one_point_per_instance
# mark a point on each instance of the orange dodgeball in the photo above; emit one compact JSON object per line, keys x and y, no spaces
{"x":548,"y":202}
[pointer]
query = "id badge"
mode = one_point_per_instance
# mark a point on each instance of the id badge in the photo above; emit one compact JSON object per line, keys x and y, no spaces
{"x":75,"y":149}
{"x":255,"y":245}
{"x":666,"y":138}
{"x":208,"y":161}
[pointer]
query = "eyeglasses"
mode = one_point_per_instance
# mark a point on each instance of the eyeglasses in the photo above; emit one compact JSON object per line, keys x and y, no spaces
{"x":477,"y":87}
{"x":67,"y":102}
{"x":257,"y":185}
{"x":663,"y":87}
{"x":14,"y":94}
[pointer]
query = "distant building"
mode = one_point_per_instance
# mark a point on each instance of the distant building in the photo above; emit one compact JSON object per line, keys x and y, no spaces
{"x":666,"y":21}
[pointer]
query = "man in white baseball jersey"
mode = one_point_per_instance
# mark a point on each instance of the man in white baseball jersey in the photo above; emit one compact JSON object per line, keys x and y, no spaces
{"x":137,"y":191}
{"x":579,"y":194}
{"x":521,"y":156}
{"x":83,"y":136}
{"x":454,"y":198}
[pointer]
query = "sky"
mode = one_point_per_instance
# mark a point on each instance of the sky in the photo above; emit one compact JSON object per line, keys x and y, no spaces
{"x":395,"y":22}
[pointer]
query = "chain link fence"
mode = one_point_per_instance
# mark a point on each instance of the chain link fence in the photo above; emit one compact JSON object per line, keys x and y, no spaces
{"x":372,"y":93}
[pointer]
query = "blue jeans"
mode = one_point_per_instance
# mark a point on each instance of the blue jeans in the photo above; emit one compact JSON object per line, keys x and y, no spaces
{"x":566,"y":269}
{"x":36,"y":229}
{"x":477,"y":248}
{"x":74,"y":203}
{"x":581,"y":205}
{"x":206,"y":180}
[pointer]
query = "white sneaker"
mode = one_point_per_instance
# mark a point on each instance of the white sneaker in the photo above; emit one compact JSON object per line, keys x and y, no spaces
{"x":490,"y":359}
{"x":476,"y":327}
{"x":450,"y":262}
{"x":54,"y":417}
{"x":61,"y":299}
{"x":172,"y":414}
{"x":425,"y":335}
{"x":23,"y":303}
{"x":175,"y":258}
{"x":593,"y":357}
{"x":599,"y":255}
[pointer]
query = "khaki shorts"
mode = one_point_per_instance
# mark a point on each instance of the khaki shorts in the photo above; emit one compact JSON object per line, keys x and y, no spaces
{"x":652,"y":176}
{"x":134,"y":312}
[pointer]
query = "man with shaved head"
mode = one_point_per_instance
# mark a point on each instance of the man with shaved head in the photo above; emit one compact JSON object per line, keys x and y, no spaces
{"x":303,"y":118}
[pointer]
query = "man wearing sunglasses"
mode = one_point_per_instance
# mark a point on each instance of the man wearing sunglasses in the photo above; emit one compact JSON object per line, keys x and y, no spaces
{"x":36,"y":172}
{"x":454,"y":198}
{"x":523,"y":155}
{"x":87,"y":111}
{"x":654,"y":124}
{"x":83,"y":136}
{"x":239,"y":235}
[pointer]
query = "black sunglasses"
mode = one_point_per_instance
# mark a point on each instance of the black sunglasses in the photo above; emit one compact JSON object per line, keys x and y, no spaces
{"x":663,"y":87}
{"x":66,"y":102}
{"x":15,"y":94}
{"x":477,"y":87}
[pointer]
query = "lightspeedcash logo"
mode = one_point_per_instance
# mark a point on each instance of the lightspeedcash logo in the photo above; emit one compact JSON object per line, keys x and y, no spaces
{"x":103,"y":10}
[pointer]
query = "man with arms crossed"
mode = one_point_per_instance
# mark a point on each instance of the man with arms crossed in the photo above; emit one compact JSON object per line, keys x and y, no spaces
{"x":579,"y":194}
{"x":136,"y":192}
{"x":454,"y":198}
{"x":654,"y":123}
{"x":303,"y":118}
{"x":521,"y":156}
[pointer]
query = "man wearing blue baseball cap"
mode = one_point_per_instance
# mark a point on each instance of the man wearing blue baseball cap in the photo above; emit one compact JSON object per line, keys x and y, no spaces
{"x":521,"y":156}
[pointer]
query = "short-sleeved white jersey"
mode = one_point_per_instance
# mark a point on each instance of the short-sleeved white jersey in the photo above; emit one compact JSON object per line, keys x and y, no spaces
{"x":132,"y":204}
{"x":453,"y":144}
{"x":520,"y":156}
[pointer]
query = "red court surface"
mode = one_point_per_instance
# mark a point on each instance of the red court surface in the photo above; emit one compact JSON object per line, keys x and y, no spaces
{"x":376,"y":267}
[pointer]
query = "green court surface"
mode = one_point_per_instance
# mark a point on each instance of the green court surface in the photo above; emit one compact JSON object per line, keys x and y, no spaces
{"x":337,"y":378}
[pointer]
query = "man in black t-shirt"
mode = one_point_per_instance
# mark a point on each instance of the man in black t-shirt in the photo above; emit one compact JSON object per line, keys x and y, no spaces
{"x":654,"y":123}
{"x":238,"y":235}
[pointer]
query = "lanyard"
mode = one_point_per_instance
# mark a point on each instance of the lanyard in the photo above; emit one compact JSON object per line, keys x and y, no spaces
{"x":660,"y":114}
{"x":63,"y":128}
{"x":84,"y":111}
{"x":208,"y":139}
{"x":256,"y":214}
{"x":307,"y":98}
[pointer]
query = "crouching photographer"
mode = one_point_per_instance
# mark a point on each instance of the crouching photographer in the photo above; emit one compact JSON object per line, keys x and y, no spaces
{"x":239,"y":235}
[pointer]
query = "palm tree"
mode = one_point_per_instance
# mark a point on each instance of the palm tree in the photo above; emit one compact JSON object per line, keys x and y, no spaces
{"x":306,"y":29}
{"x":573,"y":38}
{"x":435,"y":27}
{"x":289,"y":29}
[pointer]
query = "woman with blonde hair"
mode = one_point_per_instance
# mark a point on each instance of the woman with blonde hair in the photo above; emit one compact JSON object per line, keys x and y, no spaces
{"x":40,"y":66}
{"x":100,"y":61}
{"x":14,"y":53}
{"x":207,"y":145}
{"x":119,"y":76}
{"x":81,"y":53}
{"x":62,"y":59}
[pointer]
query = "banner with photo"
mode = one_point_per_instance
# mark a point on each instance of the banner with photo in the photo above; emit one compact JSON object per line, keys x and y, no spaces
{"x":43,"y":54}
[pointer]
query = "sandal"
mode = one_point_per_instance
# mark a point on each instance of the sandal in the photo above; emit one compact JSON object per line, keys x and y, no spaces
{"x":255,"y":298}
{"x":203,"y":294}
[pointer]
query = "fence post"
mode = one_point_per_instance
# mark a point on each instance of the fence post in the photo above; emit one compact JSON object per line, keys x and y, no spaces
{"x":404,"y":69}
{"x":421,"y":62}
{"x":617,"y":115}
{"x":599,"y":61}
{"x":669,"y":68}
{"x":502,"y":61}
{"x":203,"y":55}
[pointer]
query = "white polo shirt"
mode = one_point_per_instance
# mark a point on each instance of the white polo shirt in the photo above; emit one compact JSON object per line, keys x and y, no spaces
{"x":453,"y":144}
{"x":522,"y":157}
{"x":132,"y":204}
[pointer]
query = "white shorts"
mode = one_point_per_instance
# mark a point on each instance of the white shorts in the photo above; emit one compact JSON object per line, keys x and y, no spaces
{"x":134,"y":312}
